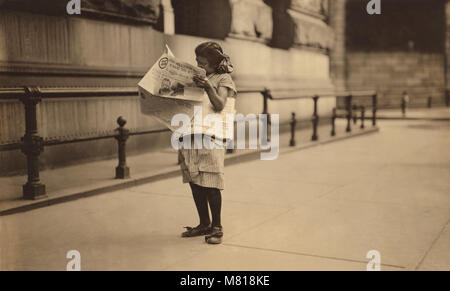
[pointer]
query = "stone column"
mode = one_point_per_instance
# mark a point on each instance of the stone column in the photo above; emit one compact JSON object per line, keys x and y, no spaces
{"x":169,"y":17}
{"x":337,"y":54}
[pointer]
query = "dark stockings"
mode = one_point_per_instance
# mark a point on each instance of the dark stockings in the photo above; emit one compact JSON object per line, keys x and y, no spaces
{"x":203,"y":195}
{"x":215,"y":203}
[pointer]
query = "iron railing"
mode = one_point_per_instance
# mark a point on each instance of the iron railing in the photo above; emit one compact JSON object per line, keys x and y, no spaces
{"x":32,"y":144}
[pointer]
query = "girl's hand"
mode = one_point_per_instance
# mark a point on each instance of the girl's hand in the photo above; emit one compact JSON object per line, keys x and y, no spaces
{"x":202,"y":82}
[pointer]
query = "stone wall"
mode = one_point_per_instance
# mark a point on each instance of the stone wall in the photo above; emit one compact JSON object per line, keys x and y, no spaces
{"x":391,"y":73}
{"x":403,"y":49}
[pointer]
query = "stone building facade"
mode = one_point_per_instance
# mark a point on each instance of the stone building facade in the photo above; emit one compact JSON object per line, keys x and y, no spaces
{"x":293,"y":47}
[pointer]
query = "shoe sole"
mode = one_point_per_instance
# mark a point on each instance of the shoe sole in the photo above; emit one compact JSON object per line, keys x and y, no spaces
{"x":200,"y":234}
{"x":213,"y":242}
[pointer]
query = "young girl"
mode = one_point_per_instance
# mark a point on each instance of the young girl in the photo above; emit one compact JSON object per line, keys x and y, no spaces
{"x":203,"y":168}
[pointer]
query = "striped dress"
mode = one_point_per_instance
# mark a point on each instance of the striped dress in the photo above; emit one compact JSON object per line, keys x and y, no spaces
{"x":202,"y":166}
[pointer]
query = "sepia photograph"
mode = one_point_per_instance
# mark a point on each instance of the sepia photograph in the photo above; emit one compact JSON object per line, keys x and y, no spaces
{"x":219,"y":141}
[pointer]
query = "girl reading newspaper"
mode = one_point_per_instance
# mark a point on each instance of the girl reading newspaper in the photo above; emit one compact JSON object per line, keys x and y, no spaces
{"x":201,"y":167}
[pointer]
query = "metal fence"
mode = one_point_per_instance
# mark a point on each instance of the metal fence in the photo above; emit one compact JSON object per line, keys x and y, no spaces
{"x":32,"y":144}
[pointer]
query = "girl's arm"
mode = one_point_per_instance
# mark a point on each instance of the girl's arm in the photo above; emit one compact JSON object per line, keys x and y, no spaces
{"x":217,"y":98}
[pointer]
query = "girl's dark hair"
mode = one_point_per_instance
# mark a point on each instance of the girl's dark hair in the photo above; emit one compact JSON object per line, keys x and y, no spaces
{"x":215,"y":56}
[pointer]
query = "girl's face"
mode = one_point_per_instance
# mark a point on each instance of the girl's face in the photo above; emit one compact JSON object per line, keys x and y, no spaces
{"x":203,"y":63}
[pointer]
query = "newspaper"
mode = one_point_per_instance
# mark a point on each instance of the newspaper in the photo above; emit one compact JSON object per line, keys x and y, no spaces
{"x":171,"y":78}
{"x":168,"y":89}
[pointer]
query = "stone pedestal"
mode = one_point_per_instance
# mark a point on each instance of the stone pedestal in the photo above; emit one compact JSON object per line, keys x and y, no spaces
{"x":337,"y":53}
{"x":251,"y":19}
{"x":311,"y":29}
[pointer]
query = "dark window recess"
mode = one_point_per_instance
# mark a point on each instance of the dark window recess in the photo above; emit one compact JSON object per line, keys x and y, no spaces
{"x":204,"y":18}
{"x":283,"y":32}
{"x":404,"y":25}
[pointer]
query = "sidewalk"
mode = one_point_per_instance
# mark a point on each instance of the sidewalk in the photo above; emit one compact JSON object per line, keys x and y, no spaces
{"x":74,"y":182}
{"x":323,"y":208}
{"x":436,"y":113}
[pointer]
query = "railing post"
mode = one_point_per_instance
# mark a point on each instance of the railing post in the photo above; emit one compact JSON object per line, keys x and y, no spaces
{"x":363,"y":112}
{"x":266,"y":96}
{"x":32,"y":145}
{"x":349,"y":113}
{"x":265,"y":93}
{"x":315,"y":119}
{"x":122,"y":171}
{"x":374,"y":109}
{"x":333,"y":122}
{"x":355,"y":116}
{"x":292,"y":123}
{"x":429,"y":101}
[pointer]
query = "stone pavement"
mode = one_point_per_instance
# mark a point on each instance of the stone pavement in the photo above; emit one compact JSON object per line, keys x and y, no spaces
{"x":321,"y":208}
{"x":434,"y":113}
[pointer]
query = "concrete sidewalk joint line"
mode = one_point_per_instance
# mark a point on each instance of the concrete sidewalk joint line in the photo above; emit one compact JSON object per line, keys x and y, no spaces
{"x":310,"y":255}
{"x":431,"y":246}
